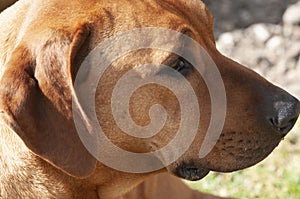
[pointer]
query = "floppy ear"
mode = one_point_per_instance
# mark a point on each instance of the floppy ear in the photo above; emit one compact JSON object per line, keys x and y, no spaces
{"x":36,"y":101}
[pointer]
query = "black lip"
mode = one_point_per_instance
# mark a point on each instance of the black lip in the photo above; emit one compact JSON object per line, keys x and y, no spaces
{"x":191,"y":172}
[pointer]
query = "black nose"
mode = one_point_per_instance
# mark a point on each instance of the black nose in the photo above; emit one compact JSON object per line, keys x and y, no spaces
{"x":286,"y":114}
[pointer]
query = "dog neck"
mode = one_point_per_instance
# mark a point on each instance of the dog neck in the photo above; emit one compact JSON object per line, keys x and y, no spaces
{"x":24,"y":175}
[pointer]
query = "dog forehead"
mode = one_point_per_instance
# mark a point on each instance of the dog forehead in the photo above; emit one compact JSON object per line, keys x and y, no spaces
{"x":190,"y":8}
{"x":108,"y":18}
{"x":85,"y":9}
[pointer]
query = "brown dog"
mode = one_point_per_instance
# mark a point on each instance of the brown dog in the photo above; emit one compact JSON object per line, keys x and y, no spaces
{"x":6,"y":3}
{"x":43,"y":44}
{"x":163,"y":186}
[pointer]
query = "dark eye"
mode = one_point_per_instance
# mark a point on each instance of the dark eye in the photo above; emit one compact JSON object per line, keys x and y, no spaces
{"x":182,"y":66}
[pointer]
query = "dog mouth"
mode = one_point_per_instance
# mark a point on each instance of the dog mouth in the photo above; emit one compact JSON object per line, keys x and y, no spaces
{"x":191,"y":172}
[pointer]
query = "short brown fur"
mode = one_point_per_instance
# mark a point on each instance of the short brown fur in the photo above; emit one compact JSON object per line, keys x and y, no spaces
{"x":42,"y":46}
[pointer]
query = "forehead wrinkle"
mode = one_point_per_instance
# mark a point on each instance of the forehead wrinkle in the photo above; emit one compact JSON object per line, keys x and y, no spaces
{"x":184,"y":7}
{"x":192,"y":13}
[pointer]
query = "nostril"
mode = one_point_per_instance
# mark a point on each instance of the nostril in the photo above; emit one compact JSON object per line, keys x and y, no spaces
{"x":274,"y":122}
{"x":286,"y":114}
{"x":283,"y":128}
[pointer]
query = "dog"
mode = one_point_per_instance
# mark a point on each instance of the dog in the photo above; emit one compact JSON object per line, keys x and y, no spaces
{"x":164,"y":185}
{"x":44,"y":43}
{"x":5,"y":4}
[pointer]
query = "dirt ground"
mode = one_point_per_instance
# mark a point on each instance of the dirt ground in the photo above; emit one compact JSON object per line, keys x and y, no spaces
{"x":263,"y":35}
{"x":236,"y":14}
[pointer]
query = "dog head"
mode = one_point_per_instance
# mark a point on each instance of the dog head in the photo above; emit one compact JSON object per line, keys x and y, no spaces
{"x":49,"y":49}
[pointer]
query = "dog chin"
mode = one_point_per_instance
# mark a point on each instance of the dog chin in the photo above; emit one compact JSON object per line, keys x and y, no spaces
{"x":190,"y":172}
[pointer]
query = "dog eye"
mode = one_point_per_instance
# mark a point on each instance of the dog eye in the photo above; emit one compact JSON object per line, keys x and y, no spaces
{"x":182,"y":65}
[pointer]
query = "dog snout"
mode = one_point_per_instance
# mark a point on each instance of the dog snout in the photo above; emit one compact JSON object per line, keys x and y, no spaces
{"x":286,"y":112}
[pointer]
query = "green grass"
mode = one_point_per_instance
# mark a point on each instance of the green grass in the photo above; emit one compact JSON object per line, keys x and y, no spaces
{"x":277,"y":177}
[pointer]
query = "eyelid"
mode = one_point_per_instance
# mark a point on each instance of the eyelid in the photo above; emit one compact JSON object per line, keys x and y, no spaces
{"x":185,"y":31}
{"x":171,"y":60}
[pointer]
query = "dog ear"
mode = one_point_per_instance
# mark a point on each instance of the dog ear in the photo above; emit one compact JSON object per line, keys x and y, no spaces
{"x":36,"y":101}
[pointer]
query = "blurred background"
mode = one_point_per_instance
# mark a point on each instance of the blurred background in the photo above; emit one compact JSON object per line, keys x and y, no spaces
{"x":265,"y":36}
